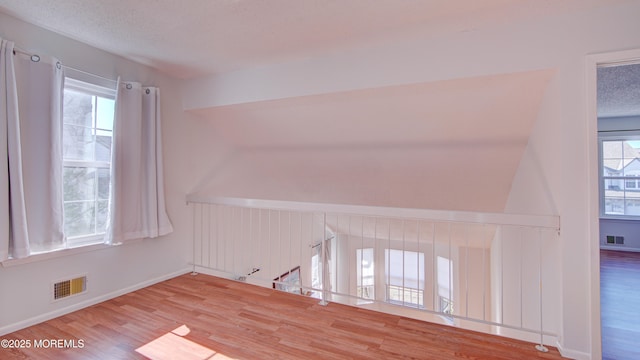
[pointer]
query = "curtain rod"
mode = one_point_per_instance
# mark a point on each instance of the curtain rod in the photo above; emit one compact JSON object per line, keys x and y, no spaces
{"x":36,"y":58}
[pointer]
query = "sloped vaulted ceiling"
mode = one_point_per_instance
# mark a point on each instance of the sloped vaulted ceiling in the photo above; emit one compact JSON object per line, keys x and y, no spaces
{"x":452,"y":144}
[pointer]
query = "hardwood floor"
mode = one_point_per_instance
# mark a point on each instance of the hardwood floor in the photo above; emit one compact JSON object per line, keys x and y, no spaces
{"x":203,"y":317}
{"x":620,"y":304}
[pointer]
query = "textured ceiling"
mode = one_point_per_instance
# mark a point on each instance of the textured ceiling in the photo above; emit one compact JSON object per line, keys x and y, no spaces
{"x":204,"y":37}
{"x":619,"y":91}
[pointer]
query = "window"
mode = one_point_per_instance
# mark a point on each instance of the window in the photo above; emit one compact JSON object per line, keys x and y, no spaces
{"x":404,"y":274}
{"x":365,"y":281}
{"x":620,"y":174}
{"x":88,"y":113}
{"x":445,"y":285}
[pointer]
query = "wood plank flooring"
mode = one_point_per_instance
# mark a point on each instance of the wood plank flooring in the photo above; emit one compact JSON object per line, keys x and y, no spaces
{"x":620,"y":304}
{"x":204,"y":317}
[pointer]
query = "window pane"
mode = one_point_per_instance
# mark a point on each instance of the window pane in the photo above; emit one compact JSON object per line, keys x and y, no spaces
{"x":79,"y":183}
{"x":629,"y":151}
{"x":630,"y":163}
{"x":614,"y":206}
{"x":104,"y":113}
{"x":78,"y":109}
{"x":618,"y":158}
{"x":610,"y":167}
{"x":79,"y":218}
{"x":78,"y":143}
{"x":612,"y":184}
{"x":104,"y":178}
{"x":103,"y":146}
{"x":101,"y":217}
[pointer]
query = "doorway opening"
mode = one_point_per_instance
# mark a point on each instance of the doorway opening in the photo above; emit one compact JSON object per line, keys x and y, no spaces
{"x":618,"y":244}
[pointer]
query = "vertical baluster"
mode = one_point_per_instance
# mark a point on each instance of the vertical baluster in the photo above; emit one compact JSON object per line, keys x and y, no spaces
{"x":450,"y":274}
{"x":418,"y":265}
{"x":325,"y":263}
{"x":540,"y":347}
{"x":501,"y":279}
{"x":193,"y":232}
{"x":484,"y":273}
{"x":269,"y":244}
{"x":252,"y":248}
{"x":217,"y":234}
{"x":521,"y":237}
{"x":466,"y":269}
{"x":260,"y":243}
{"x":279,"y":262}
{"x":376,"y":256}
{"x":388,"y":263}
{"x":209,"y":207}
{"x":300,"y":253}
{"x":349,"y":267}
{"x":435,"y":271}
{"x":361,"y":258}
{"x":403,"y":264}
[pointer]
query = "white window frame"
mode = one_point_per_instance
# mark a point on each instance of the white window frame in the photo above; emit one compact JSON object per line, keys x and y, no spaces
{"x":407,"y":292}
{"x":615,"y":136}
{"x":104,"y":92}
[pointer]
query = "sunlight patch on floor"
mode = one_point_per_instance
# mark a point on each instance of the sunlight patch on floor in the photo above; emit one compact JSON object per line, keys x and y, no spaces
{"x":174,"y":346}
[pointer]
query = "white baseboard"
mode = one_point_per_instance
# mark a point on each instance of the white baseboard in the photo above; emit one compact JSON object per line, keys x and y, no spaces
{"x":618,"y":248}
{"x":573,"y":354}
{"x":81,"y":305}
{"x":227,"y":275}
{"x":213,"y":272}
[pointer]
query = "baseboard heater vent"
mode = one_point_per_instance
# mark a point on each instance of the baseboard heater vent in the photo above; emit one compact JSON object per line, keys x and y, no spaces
{"x":66,"y":288}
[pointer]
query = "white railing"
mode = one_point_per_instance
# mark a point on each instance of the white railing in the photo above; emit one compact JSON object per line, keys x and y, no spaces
{"x":489,"y":272}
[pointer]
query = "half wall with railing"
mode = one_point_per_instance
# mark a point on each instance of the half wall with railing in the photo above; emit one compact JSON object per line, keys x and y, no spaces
{"x":488,"y":272}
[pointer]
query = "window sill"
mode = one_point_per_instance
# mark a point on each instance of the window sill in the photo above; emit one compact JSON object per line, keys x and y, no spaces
{"x":55,"y":254}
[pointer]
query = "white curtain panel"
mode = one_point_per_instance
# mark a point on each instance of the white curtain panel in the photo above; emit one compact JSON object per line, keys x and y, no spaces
{"x":31,"y":204}
{"x":9,"y":133}
{"x":137,"y":204}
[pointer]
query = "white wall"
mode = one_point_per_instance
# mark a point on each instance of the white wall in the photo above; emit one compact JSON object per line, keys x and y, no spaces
{"x":553,"y":176}
{"x":26,"y":297}
{"x":630,"y":229}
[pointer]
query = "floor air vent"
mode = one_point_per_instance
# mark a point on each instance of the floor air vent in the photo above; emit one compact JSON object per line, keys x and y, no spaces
{"x":66,"y":288}
{"x":617,"y":240}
